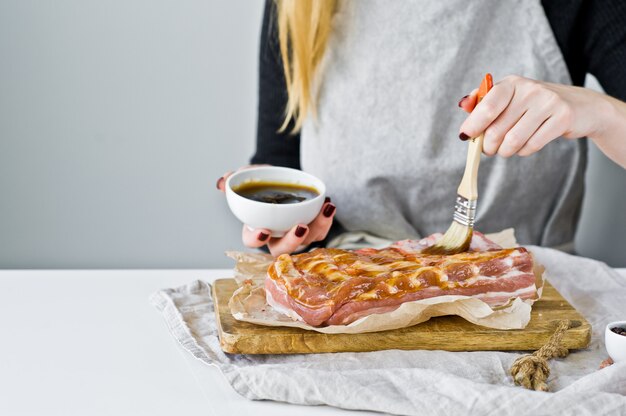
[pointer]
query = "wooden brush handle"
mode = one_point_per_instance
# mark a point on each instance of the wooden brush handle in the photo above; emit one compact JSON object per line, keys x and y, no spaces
{"x":469,"y":184}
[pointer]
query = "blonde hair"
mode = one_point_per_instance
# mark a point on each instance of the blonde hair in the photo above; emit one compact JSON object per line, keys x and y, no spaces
{"x":303,"y":30}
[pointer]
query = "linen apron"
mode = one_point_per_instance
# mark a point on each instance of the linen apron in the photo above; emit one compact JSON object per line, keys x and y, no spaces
{"x":385,"y":140}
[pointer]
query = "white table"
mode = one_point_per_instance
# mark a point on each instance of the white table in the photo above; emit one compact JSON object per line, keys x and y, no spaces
{"x":87,"y":342}
{"x":90,"y":343}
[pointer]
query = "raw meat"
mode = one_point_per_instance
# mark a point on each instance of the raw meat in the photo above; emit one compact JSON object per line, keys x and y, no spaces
{"x":336,"y":287}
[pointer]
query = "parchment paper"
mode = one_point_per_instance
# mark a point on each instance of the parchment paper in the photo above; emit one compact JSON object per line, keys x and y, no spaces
{"x":249,"y":302}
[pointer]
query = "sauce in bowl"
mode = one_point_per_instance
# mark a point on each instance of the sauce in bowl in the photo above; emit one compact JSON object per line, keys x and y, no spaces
{"x":276,"y":192}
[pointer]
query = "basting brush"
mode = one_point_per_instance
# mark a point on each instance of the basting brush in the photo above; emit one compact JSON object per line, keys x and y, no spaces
{"x":459,"y":236}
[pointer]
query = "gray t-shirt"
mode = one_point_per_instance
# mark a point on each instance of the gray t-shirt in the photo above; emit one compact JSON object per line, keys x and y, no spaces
{"x":385,"y":139}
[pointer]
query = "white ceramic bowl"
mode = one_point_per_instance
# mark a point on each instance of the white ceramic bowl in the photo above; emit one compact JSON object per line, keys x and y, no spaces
{"x":615,"y":343}
{"x":279,"y":218}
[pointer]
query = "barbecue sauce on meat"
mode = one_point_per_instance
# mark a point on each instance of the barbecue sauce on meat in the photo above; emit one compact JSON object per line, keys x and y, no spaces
{"x":320,"y":285}
{"x":400,"y":269}
{"x":276,"y":192}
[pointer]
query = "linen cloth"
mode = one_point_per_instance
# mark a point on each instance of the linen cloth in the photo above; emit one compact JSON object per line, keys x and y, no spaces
{"x":424,"y":382}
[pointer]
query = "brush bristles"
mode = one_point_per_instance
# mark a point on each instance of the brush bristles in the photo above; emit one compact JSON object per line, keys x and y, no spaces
{"x":456,"y":240}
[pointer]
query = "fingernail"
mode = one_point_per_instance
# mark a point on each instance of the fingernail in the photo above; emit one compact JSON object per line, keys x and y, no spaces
{"x":461,"y":100}
{"x":219,"y":182}
{"x":328,"y":211}
{"x":300,"y":230}
{"x":263,"y":236}
{"x":463,"y":136}
{"x":327,"y":200}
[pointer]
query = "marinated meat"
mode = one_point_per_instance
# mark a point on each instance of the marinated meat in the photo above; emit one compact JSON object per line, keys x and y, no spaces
{"x":328,"y":286}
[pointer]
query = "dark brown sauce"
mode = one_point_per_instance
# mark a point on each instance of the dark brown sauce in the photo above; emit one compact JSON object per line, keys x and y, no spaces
{"x":619,"y":331}
{"x":276,"y":192}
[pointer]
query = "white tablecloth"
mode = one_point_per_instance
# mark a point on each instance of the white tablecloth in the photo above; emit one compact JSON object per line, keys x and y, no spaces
{"x":88,"y":342}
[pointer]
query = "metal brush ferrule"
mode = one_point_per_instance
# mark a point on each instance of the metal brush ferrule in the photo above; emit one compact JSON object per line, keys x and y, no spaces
{"x":465,"y":211}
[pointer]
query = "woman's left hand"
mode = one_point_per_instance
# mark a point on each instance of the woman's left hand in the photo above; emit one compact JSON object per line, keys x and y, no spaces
{"x":520,"y":115}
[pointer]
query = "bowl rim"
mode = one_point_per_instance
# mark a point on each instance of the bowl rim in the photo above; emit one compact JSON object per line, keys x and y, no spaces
{"x":231,"y":191}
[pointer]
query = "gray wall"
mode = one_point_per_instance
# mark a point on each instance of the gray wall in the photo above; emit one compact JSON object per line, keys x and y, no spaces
{"x":117,"y":117}
{"x":602,"y":229}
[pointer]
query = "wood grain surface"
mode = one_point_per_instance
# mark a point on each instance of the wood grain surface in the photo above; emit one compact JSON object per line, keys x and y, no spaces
{"x":451,"y":333}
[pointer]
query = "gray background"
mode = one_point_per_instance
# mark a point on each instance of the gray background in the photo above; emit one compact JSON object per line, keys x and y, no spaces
{"x":117,"y":117}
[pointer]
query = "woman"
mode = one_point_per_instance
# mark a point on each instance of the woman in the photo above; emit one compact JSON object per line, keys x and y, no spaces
{"x":367,"y":88}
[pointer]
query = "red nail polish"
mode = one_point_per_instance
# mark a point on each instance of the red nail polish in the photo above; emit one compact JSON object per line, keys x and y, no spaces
{"x":263,"y":236}
{"x":464,"y":136}
{"x":328,"y":211}
{"x":300,"y":231}
{"x":327,"y":200}
{"x":461,"y":100}
{"x":219,"y":181}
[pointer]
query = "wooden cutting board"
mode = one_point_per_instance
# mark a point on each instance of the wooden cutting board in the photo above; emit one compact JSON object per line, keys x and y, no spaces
{"x":451,"y":333}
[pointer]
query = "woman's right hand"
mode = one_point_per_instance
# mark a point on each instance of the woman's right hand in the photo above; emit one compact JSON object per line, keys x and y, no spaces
{"x":297,"y":238}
